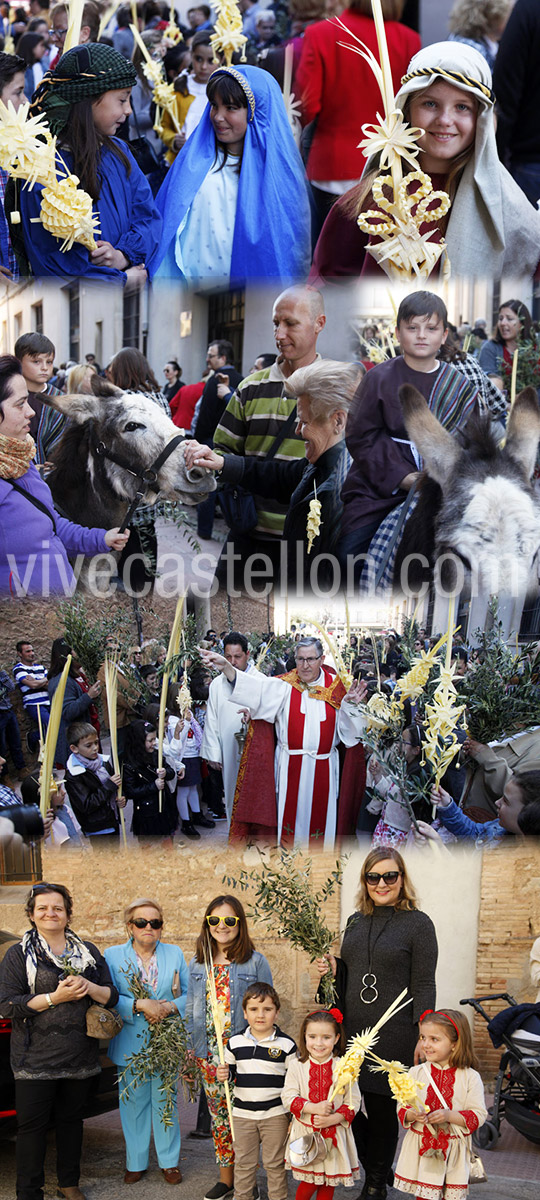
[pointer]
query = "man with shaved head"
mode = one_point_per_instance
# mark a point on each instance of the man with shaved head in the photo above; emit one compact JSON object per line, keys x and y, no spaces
{"x":260,"y":412}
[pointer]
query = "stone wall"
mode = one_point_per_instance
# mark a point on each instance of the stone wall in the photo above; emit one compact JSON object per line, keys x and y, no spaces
{"x":506,"y":921}
{"x":102,"y":883}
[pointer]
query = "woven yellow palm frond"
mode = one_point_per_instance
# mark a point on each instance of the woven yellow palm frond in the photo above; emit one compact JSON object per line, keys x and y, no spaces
{"x":362,"y":1044}
{"x":403,"y":252}
{"x":314,"y":523}
{"x":66,"y":212}
{"x":442,"y":717}
{"x":27,"y":150}
{"x":184,"y":701}
{"x":405,"y":1089}
{"x":228,"y":38}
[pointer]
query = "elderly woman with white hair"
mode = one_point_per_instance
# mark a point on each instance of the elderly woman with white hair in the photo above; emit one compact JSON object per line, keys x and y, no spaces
{"x":161,"y":968}
{"x":491,"y":228}
{"x":324,"y":392}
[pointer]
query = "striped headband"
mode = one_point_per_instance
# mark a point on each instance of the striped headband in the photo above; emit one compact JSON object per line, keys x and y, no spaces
{"x":430,"y":1013}
{"x":455,"y":77}
{"x":241,"y":79}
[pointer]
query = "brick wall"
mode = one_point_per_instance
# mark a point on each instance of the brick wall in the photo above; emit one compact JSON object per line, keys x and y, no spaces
{"x":509,"y":923}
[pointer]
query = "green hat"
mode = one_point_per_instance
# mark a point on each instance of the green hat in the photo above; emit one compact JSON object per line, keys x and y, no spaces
{"x":88,"y":70}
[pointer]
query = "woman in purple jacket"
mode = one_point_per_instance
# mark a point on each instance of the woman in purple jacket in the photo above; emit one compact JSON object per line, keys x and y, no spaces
{"x":34,"y":541}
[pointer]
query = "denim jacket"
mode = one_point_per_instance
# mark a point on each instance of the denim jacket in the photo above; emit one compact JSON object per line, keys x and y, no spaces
{"x":241,"y":976}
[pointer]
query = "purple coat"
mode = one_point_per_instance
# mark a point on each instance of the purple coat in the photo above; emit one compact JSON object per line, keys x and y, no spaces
{"x":33,"y":558}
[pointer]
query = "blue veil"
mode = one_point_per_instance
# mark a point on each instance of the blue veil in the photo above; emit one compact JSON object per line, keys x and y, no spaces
{"x":272,"y":232}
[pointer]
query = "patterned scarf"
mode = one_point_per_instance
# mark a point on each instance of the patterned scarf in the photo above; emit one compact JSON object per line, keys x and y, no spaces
{"x":16,"y":454}
{"x":35,"y":948}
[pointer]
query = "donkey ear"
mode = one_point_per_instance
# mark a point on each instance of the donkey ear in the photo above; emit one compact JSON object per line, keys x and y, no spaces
{"x":438,"y":448}
{"x":523,"y":431}
{"x":78,"y":407}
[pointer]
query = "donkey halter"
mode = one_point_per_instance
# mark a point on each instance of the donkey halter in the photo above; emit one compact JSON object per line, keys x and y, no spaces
{"x":144,"y":479}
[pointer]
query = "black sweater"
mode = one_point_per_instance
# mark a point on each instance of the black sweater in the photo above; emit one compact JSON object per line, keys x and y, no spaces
{"x":403,"y":955}
{"x":52,"y":1044}
{"x":516,"y":83}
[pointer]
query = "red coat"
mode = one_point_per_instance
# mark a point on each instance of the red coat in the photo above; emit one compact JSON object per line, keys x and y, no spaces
{"x":338,"y":88}
{"x":184,"y":403}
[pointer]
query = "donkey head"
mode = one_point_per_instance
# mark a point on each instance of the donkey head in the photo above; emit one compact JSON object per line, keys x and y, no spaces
{"x":488,"y":519}
{"x":127,"y":432}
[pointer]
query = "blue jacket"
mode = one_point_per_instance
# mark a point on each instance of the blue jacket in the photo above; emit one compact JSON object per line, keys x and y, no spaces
{"x":241,"y":976}
{"x":170,"y":961}
{"x":38,"y":557}
{"x":454,"y":819}
{"x":128,"y":219}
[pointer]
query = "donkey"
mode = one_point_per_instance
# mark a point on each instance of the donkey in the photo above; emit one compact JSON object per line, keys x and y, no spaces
{"x":477,"y":515}
{"x":111,"y":438}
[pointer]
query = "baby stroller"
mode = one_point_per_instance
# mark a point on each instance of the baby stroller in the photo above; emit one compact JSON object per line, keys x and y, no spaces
{"x":517,"y":1087}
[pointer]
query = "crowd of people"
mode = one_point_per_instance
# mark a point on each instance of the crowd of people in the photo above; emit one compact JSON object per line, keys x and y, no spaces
{"x":253,"y":169}
{"x":317,"y":469}
{"x":286,"y":1095}
{"x":268,"y":745}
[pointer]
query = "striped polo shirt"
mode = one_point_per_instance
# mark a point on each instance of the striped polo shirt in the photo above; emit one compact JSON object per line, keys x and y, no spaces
{"x":29,"y":695}
{"x":249,"y":426}
{"x":260,"y":1068}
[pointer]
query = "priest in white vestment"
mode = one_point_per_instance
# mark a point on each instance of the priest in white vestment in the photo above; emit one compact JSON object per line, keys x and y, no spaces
{"x":220,"y":747}
{"x":312,"y":713}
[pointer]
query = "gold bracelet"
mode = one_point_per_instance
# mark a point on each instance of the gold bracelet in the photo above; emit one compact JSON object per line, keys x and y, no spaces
{"x":49,"y":1001}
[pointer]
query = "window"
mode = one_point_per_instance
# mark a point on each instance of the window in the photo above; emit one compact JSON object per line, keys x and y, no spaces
{"x":37,"y":313}
{"x":131,"y":318}
{"x":74,"y":322}
{"x":226,"y":320}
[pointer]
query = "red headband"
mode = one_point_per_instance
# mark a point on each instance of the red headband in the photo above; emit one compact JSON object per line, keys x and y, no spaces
{"x":430,"y":1013}
{"x":328,"y":1012}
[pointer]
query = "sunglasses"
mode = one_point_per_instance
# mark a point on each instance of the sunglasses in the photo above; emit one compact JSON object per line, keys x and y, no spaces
{"x":140,"y":923}
{"x":373,"y":877}
{"x":229,"y":922}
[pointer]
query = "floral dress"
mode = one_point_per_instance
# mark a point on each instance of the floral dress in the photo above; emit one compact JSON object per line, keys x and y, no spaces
{"x":215,"y":1091}
{"x":435,"y":1165}
{"x":312,"y":1081}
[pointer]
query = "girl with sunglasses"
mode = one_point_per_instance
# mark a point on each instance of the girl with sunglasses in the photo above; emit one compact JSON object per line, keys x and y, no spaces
{"x":162,"y":968}
{"x":388,"y":945}
{"x":224,"y":938}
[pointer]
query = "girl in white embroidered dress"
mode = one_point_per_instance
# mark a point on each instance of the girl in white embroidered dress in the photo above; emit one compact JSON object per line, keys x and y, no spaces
{"x":309,"y":1084}
{"x":435,"y":1155}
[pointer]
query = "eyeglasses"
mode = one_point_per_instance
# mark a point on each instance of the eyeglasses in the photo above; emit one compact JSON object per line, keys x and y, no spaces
{"x":230,"y":922}
{"x":140,"y":923}
{"x":308,"y":662}
{"x":373,"y":877}
{"x":57,"y":35}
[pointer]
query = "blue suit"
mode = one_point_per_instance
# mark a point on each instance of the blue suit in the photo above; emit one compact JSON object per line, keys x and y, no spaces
{"x":140,"y":1112}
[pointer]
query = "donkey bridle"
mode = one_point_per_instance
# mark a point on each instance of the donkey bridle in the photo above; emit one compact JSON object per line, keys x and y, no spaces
{"x":144,"y":479}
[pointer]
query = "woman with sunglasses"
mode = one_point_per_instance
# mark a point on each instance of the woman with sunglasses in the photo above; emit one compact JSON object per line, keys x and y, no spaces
{"x":224,"y":940}
{"x":388,"y":945}
{"x":162,"y":968}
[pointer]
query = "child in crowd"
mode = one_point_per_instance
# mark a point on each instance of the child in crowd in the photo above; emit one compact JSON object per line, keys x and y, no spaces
{"x":35,"y":353}
{"x":435,"y":1155}
{"x":190,"y":98}
{"x":235,"y":203}
{"x":258,"y":1060}
{"x":187,"y":733}
{"x":394,"y":824}
{"x":91,"y":784}
{"x":321,"y":1042}
{"x":386,"y":464}
{"x":154,"y":809}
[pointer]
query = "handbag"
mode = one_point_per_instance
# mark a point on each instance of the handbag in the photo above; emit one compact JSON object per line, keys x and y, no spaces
{"x":304,"y":1150}
{"x":102,"y":1022}
{"x":237,"y":504}
{"x":477,"y":1171}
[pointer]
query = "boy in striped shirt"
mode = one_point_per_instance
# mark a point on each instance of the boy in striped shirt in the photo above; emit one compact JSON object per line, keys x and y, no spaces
{"x":257,"y":1060}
